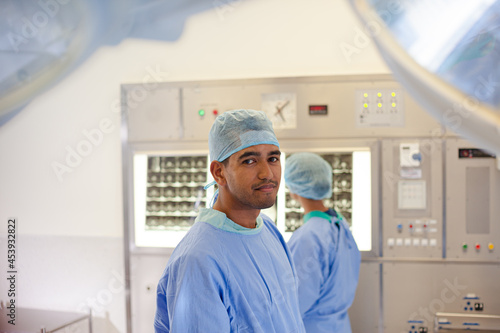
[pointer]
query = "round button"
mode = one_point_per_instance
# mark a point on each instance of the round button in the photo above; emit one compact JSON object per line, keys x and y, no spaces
{"x":464,"y":246}
{"x":478,"y":246}
{"x":491,"y":246}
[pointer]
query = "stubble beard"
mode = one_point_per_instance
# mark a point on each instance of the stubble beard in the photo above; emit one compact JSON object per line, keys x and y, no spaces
{"x":252,"y":201}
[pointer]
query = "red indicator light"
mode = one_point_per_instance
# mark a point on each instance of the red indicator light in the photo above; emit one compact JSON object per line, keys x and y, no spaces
{"x":478,"y":246}
{"x":215,"y":112}
{"x":411,"y":226}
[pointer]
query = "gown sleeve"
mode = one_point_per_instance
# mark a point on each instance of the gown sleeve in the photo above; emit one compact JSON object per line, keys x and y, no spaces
{"x":190,"y":298}
{"x":308,"y":255}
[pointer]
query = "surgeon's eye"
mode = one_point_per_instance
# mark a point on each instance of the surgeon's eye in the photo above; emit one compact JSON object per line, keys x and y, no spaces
{"x":274,"y":159}
{"x":248,"y":161}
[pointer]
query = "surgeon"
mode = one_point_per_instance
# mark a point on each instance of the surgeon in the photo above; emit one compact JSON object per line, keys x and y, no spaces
{"x":232,"y":272}
{"x":324,"y":252}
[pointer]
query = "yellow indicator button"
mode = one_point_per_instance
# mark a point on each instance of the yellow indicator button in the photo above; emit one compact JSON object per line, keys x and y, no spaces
{"x":491,"y":246}
{"x":393,"y":105}
{"x":379,"y":105}
{"x":393,"y":94}
{"x":365,"y":95}
{"x":365,"y":105}
{"x":379,"y":94}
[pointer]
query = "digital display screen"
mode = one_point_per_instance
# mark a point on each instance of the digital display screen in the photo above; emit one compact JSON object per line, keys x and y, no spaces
{"x":318,"y":110}
{"x":473,"y":153}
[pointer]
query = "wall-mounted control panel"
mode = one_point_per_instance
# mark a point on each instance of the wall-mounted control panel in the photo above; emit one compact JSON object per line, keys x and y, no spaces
{"x":472,"y":202}
{"x":364,"y":106}
{"x":412,"y":219}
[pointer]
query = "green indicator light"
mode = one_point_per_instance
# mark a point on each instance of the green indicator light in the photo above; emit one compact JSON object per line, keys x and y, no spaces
{"x":365,"y":95}
{"x":201,"y":112}
{"x":464,"y":246}
{"x":365,"y":105}
{"x":379,"y":105}
{"x":379,"y":94}
{"x":393,"y":105}
{"x":393,"y":94}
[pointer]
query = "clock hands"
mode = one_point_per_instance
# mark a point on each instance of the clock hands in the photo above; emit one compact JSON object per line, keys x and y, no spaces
{"x":279,"y":109}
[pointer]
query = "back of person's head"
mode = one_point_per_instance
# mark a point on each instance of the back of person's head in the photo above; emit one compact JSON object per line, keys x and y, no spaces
{"x":236,"y":130}
{"x":308,"y":175}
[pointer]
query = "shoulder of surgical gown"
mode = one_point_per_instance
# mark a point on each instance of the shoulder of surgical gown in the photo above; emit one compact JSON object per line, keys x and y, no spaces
{"x":205,"y":287}
{"x":190,"y":284}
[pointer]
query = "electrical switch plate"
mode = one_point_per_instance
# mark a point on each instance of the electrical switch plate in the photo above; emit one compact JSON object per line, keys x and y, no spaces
{"x":409,"y":155}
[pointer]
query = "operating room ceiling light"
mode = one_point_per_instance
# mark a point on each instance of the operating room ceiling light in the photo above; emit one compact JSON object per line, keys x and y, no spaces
{"x":446,"y":54}
{"x":43,"y":41}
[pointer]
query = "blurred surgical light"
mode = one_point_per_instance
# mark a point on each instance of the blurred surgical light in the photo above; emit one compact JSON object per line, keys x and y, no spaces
{"x":43,"y":40}
{"x":446,"y":54}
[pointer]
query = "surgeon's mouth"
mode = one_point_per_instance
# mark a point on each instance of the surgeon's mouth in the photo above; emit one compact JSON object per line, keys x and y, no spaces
{"x":267,"y":187}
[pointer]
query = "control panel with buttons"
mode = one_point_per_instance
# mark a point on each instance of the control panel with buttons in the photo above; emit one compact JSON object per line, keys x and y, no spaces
{"x":473,"y":192}
{"x":415,"y":235}
{"x":412,"y":190}
{"x":478,"y":246}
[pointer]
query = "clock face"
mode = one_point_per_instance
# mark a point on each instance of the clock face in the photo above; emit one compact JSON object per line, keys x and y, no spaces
{"x":281,"y":109}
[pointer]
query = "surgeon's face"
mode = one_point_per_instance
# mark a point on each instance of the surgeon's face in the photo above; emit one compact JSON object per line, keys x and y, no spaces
{"x":253,"y":177}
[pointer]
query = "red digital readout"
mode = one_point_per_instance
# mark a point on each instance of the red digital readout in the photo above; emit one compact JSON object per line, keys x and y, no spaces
{"x":318,"y":109}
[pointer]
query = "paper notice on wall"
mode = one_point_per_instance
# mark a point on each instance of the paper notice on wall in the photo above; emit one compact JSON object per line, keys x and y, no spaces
{"x":412,"y":194}
{"x":411,"y":173}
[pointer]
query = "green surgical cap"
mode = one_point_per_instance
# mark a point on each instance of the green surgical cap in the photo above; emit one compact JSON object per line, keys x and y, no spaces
{"x":236,"y":130}
{"x":309,"y":176}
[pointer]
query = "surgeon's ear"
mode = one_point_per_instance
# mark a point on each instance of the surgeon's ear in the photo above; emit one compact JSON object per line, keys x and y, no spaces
{"x":218,"y":172}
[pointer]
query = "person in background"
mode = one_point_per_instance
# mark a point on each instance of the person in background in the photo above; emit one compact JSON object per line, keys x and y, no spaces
{"x":323,"y":249}
{"x":232,"y":272}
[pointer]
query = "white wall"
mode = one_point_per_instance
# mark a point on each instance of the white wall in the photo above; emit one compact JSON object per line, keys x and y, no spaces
{"x":237,"y":39}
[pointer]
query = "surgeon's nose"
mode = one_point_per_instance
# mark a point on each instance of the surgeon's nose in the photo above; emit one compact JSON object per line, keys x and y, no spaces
{"x":265,"y":171}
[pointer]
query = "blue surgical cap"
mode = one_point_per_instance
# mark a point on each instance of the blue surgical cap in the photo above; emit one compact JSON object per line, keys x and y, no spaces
{"x":236,"y":130}
{"x":309,"y":176}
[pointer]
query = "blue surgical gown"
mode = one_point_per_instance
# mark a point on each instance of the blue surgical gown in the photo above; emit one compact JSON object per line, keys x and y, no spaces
{"x":327,"y":263}
{"x":226,"y":278}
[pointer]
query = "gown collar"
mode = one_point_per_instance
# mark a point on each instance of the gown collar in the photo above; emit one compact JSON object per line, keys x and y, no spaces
{"x":329,"y":215}
{"x":317,"y":213}
{"x":220,"y":221}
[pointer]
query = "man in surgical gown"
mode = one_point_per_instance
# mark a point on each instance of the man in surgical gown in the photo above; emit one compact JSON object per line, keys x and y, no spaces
{"x":324,"y":252}
{"x":232,"y":272}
